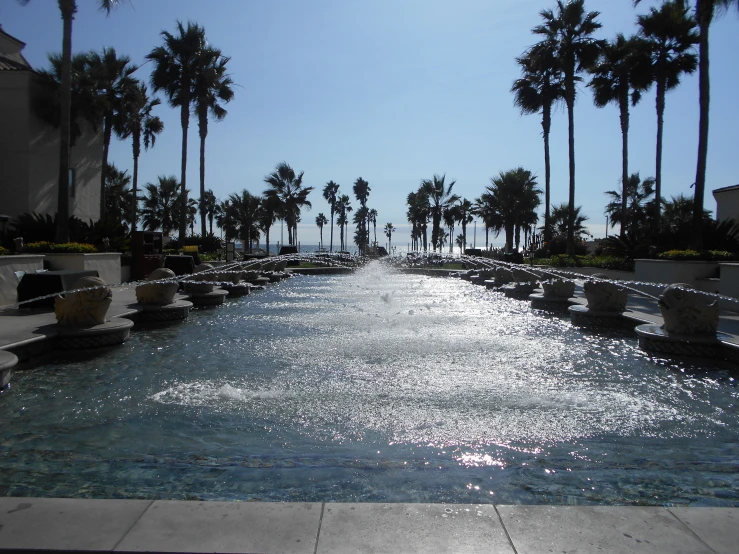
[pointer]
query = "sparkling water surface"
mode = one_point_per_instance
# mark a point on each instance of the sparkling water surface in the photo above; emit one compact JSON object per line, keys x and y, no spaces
{"x":376,"y":387}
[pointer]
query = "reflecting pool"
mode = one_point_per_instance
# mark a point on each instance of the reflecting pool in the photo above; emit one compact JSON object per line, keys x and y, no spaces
{"x":374,"y":387}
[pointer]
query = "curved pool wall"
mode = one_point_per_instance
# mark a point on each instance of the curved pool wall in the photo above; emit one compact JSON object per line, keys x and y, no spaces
{"x":377,"y":386}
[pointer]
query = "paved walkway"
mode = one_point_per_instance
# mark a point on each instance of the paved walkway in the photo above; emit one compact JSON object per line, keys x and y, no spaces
{"x":326,"y":528}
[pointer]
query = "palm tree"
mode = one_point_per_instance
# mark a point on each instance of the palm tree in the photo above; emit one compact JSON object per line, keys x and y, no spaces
{"x":67,"y":8}
{"x":267,"y":215}
{"x":485,"y":209}
{"x":211,"y":208}
{"x":539,"y":88}
{"x":569,"y":35}
{"x":639,"y":204}
{"x":389,"y":230}
{"x":418,"y":216}
{"x":513,"y":197}
{"x":137,"y":121}
{"x":561,"y":219}
{"x":175,"y":70}
{"x":620,"y":75}
{"x":330,"y":193}
{"x":343,"y":207}
{"x":287,"y":188}
{"x":119,"y":197}
{"x":360,"y":228}
{"x":461,"y":241}
{"x":449,"y":216}
{"x":372,"y":216}
{"x":669,"y":33}
{"x":439,"y":197}
{"x":211,"y":86}
{"x":112,"y":80}
{"x":158,"y":210}
{"x":243,"y":211}
{"x":465,"y":211}
{"x":361,"y":190}
{"x":321,"y":221}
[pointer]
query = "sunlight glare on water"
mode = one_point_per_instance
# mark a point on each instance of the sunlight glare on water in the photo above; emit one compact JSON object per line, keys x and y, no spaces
{"x":385,"y":386}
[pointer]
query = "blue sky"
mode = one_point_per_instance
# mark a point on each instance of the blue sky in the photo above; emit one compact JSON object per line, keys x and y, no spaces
{"x":394,"y":92}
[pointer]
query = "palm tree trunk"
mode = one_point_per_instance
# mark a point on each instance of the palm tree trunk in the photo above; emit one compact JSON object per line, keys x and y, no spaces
{"x":184,"y":121}
{"x":658,"y":170}
{"x":546,"y":123}
{"x":623,"y":103}
{"x":331,"y":240}
{"x":203,"y":134}
{"x":266,"y":239}
{"x":68,"y":9}
{"x":571,"y":140}
{"x":134,"y":206}
{"x":704,"y":21}
{"x":107,"y":133}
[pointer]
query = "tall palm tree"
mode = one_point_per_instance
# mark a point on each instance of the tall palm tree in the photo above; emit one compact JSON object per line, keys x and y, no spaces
{"x":372,"y":216}
{"x":287,"y":188}
{"x":67,"y":8}
{"x":243,"y":211}
{"x":330,"y":193}
{"x":513,"y":196}
{"x":175,"y":69}
{"x":569,"y":34}
{"x":465,"y":213}
{"x":362,"y":190}
{"x":211,"y":86}
{"x":539,"y":88}
{"x":440,"y":197}
{"x":321,"y":221}
{"x":620,"y":75}
{"x":343,"y":208}
{"x":267,"y":215}
{"x":158,"y":210}
{"x":670,"y":35}
{"x":136,"y":121}
{"x":639,"y":203}
{"x":389,"y":230}
{"x":486,"y":209}
{"x":113,"y":83}
{"x":418,"y":214}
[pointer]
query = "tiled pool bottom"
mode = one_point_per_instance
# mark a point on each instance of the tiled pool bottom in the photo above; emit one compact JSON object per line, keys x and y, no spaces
{"x":376,"y":387}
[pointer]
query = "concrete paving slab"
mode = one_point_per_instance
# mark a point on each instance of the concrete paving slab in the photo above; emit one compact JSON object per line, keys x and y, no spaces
{"x":410,"y":528}
{"x":66,"y":523}
{"x":172,"y":526}
{"x":717,"y":527}
{"x":588,"y":529}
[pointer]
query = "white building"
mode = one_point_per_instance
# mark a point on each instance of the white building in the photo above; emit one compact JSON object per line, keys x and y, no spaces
{"x":727,"y":203}
{"x":29,"y":147}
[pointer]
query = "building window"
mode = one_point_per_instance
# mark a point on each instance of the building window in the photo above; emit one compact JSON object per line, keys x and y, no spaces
{"x":72,"y":182}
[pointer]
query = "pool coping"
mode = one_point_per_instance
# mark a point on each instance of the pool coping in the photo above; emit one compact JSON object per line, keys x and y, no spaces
{"x":93,"y":525}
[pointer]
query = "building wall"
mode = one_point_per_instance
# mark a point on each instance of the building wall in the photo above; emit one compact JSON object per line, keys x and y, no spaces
{"x":727,"y":204}
{"x":29,"y":156}
{"x":14,"y":142}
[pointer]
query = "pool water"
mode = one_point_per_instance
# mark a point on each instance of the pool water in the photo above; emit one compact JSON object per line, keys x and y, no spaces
{"x":376,"y":387}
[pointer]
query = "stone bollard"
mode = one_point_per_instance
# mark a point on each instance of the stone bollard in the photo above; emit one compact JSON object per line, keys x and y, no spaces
{"x":86,"y":307}
{"x":158,"y":294}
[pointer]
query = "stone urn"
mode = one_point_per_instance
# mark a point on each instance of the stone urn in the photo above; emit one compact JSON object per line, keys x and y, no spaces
{"x":688,"y":312}
{"x":158,"y":293}
{"x":86,"y":307}
{"x":603,"y":296}
{"x":558,"y":288}
{"x":203,"y":272}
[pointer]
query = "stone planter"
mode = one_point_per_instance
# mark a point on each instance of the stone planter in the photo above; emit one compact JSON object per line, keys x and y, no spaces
{"x":108,"y":265}
{"x":28,"y":263}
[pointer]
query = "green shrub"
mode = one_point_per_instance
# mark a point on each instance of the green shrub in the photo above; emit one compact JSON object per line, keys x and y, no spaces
{"x":604,"y":262}
{"x":46,"y":247}
{"x":722,"y":256}
{"x":4,"y":251}
{"x":681,"y":255}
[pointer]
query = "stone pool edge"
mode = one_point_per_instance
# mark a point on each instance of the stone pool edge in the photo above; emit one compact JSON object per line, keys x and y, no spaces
{"x":66,"y":524}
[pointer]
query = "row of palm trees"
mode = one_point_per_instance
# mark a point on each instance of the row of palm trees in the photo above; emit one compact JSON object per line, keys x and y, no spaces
{"x":101,"y":87}
{"x":621,"y":71}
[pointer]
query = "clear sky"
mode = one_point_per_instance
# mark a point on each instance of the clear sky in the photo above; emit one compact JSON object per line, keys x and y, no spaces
{"x":395,"y":91}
